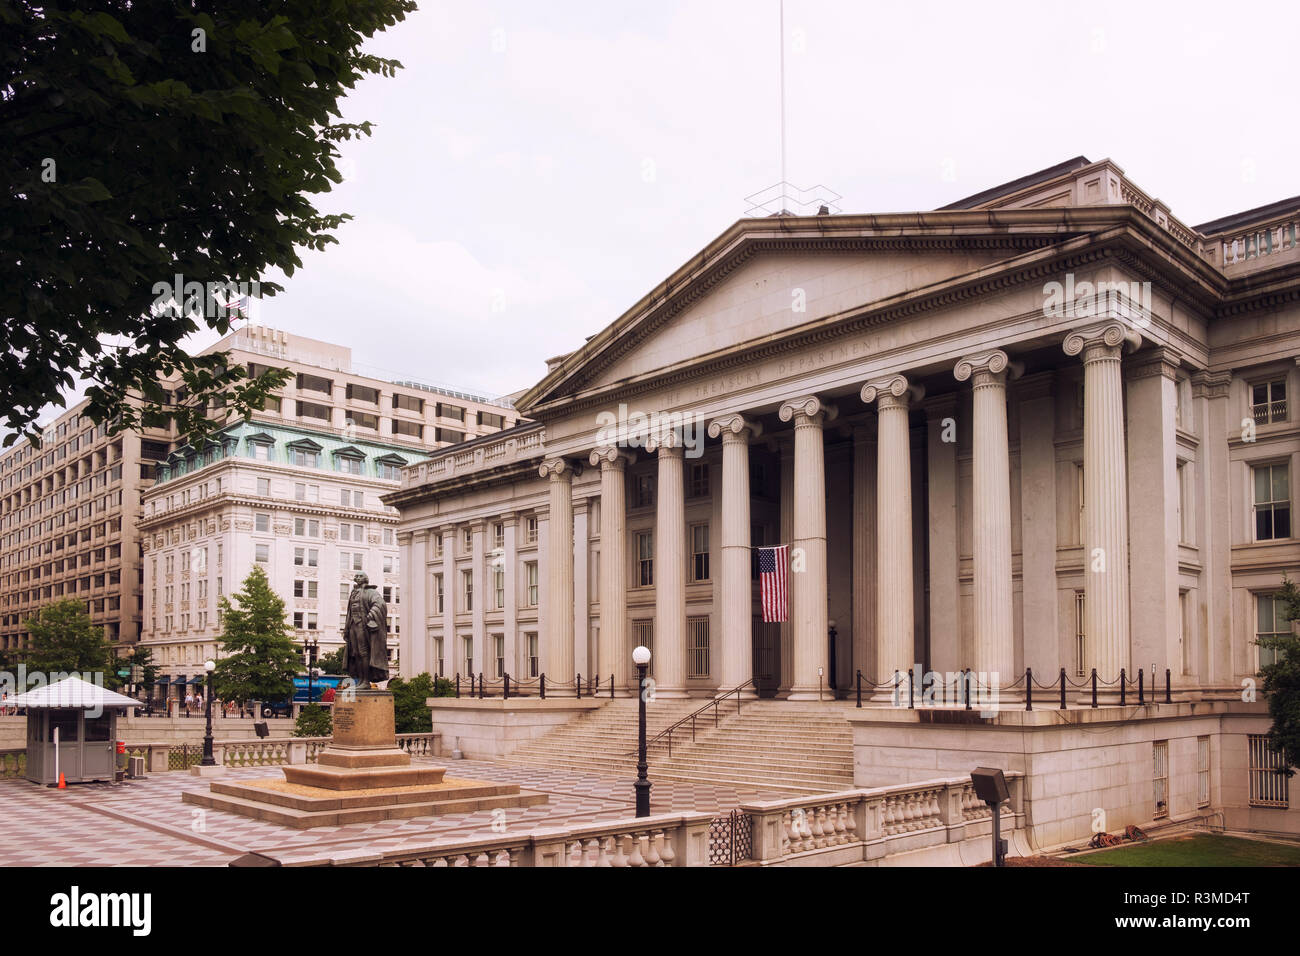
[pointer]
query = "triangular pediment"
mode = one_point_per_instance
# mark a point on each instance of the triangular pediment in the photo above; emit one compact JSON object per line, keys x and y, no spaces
{"x":767,"y":279}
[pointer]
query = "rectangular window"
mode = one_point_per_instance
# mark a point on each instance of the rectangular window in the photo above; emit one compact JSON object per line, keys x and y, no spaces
{"x":697,"y":647}
{"x":643,"y":491}
{"x":306,"y":527}
{"x":531,"y":641}
{"x":1270,"y":622}
{"x":530,"y":529}
{"x":408,"y":402}
{"x":467,"y":652}
{"x":643,"y":635}
{"x":1268,"y":782}
{"x":350,"y":466}
{"x":699,"y":552}
{"x":261,"y":522}
{"x":1080,"y":648}
{"x":363,"y":393}
{"x":499,"y":654}
{"x":304,"y":589}
{"x":1272,"y":502}
{"x":467,"y":590}
{"x":645,"y":559}
{"x":410,"y":429}
{"x":488,"y":420}
{"x":305,"y":557}
{"x":314,"y":410}
{"x":1160,"y":777}
{"x":499,"y":585}
{"x":1202,"y":771}
{"x":498,"y":535}
{"x":262,"y":553}
{"x":450,"y":435}
{"x":437,"y":654}
{"x":530,"y":592}
{"x":699,"y":480}
{"x":438,"y":593}
{"x":454,"y":412}
{"x":263,"y":487}
{"x":1268,"y":402}
{"x":315,"y":383}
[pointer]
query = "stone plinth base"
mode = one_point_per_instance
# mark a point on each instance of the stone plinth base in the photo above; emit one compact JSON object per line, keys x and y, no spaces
{"x":202,"y":771}
{"x":362,"y":776}
{"x":494,"y":727}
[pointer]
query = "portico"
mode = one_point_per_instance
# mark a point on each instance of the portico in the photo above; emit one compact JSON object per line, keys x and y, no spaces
{"x":951,"y":456}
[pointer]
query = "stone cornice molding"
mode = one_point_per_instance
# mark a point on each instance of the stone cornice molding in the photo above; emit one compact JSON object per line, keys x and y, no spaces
{"x":810,"y":409}
{"x":892,"y":392}
{"x":1207,"y":384}
{"x":983,"y":366}
{"x":558,"y":469}
{"x":733,"y":427}
{"x":610,"y":457}
{"x":1111,"y":338}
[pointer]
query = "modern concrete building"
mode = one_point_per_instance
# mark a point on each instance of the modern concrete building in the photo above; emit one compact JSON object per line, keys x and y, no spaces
{"x":69,"y":509}
{"x":68,"y":513}
{"x":301,"y":504}
{"x":1044,"y":427}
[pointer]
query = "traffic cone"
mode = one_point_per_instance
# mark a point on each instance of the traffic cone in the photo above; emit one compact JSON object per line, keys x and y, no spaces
{"x":63,"y":784}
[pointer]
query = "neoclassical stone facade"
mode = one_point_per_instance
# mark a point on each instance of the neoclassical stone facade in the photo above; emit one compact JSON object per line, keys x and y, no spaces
{"x":1047,"y":427}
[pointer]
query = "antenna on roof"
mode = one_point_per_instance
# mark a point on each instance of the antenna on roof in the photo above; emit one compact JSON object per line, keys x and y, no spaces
{"x":784,"y":198}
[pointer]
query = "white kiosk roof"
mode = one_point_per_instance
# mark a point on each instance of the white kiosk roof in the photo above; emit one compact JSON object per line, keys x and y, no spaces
{"x":72,"y":692}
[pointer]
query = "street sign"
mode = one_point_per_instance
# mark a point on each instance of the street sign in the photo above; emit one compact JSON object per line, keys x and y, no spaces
{"x":124,"y":673}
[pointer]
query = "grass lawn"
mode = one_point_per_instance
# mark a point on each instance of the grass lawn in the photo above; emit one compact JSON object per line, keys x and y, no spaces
{"x":1201,"y":849}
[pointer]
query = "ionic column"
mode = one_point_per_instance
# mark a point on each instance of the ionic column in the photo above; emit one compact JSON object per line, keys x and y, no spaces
{"x":669,"y":568}
{"x":991,"y":530}
{"x":612,"y":653}
{"x":557,"y":663}
{"x":1105,"y":498}
{"x":809,"y":632}
{"x":736,"y":596}
{"x":895,"y":618}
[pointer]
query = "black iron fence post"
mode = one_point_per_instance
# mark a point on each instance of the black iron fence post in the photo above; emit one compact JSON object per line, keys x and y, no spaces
{"x":458,"y":684}
{"x":1123,"y":680}
{"x":966,"y":677}
{"x":1168,"y":700}
{"x":859,"y":688}
{"x":505,"y":688}
{"x":1094,"y":687}
{"x":579,"y":686}
{"x":1062,"y":688}
{"x":1142,"y":699}
{"x":911,"y":690}
{"x":1029,"y":688}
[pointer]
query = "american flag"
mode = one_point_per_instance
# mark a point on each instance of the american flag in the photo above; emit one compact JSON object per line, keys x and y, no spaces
{"x":772,"y":564}
{"x":237,"y":308}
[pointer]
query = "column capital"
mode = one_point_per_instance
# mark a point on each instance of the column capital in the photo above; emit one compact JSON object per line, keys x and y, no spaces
{"x":733,"y":427}
{"x":610,"y":456}
{"x":1102,"y":340}
{"x":894,"y":391}
{"x":667,"y":442}
{"x":810,"y":407}
{"x":1207,"y":384}
{"x":983,"y":365}
{"x":558,"y":469}
{"x":1157,"y":361}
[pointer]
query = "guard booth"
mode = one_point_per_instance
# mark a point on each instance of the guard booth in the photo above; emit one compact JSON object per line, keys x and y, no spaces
{"x":82,"y":718}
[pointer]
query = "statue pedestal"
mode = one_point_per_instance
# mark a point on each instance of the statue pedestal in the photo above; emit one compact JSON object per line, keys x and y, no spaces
{"x":362,"y":776}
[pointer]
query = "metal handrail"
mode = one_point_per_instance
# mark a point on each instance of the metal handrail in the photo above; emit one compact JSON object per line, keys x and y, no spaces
{"x":668,"y":731}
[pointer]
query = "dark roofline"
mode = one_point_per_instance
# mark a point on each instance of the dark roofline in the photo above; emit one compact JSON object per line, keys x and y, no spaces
{"x":1249,"y":216}
{"x":1033,"y":179}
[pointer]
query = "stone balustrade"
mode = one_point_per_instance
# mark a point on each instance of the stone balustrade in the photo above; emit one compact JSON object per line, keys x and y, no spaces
{"x":519,"y":446}
{"x":829,"y":829}
{"x":265,"y":751}
{"x":1259,"y":241}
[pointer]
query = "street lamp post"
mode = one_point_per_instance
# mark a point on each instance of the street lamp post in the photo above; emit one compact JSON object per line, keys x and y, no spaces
{"x":311,"y":648}
{"x":208,"y":759}
{"x":641,"y":657}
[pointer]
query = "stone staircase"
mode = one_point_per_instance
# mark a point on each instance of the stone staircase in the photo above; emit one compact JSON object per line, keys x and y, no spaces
{"x":769,"y":745}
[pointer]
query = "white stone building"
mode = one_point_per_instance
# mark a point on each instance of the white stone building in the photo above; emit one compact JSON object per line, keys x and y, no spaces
{"x":303,"y":505}
{"x":1046,"y":427}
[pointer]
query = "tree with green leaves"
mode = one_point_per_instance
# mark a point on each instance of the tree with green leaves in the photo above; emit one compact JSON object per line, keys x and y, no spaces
{"x":141,"y":657}
{"x":314,"y":721}
{"x":157,"y":146}
{"x":410,"y":712}
{"x":1282,"y":682}
{"x":261,"y":658}
{"x":65,"y":640}
{"x":331,"y":663}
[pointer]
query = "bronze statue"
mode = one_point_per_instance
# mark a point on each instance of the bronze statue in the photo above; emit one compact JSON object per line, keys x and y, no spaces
{"x":365,"y":639}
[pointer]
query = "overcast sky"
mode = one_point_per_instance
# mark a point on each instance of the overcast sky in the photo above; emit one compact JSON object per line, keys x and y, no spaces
{"x":536,"y":168}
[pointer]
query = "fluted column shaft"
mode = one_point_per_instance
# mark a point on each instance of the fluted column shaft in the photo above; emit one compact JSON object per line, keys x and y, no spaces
{"x":808,"y":615}
{"x":558,"y":662}
{"x":895,"y":618}
{"x":612,"y":652}
{"x":670,"y":572}
{"x":991,"y":531}
{"x":736,"y":591}
{"x":1105,"y":498}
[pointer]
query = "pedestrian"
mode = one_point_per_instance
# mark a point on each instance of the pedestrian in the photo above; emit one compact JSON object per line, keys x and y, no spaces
{"x":189,"y":702}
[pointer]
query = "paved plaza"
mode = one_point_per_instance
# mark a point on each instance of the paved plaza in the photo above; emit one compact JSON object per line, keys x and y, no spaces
{"x":144,"y":823}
